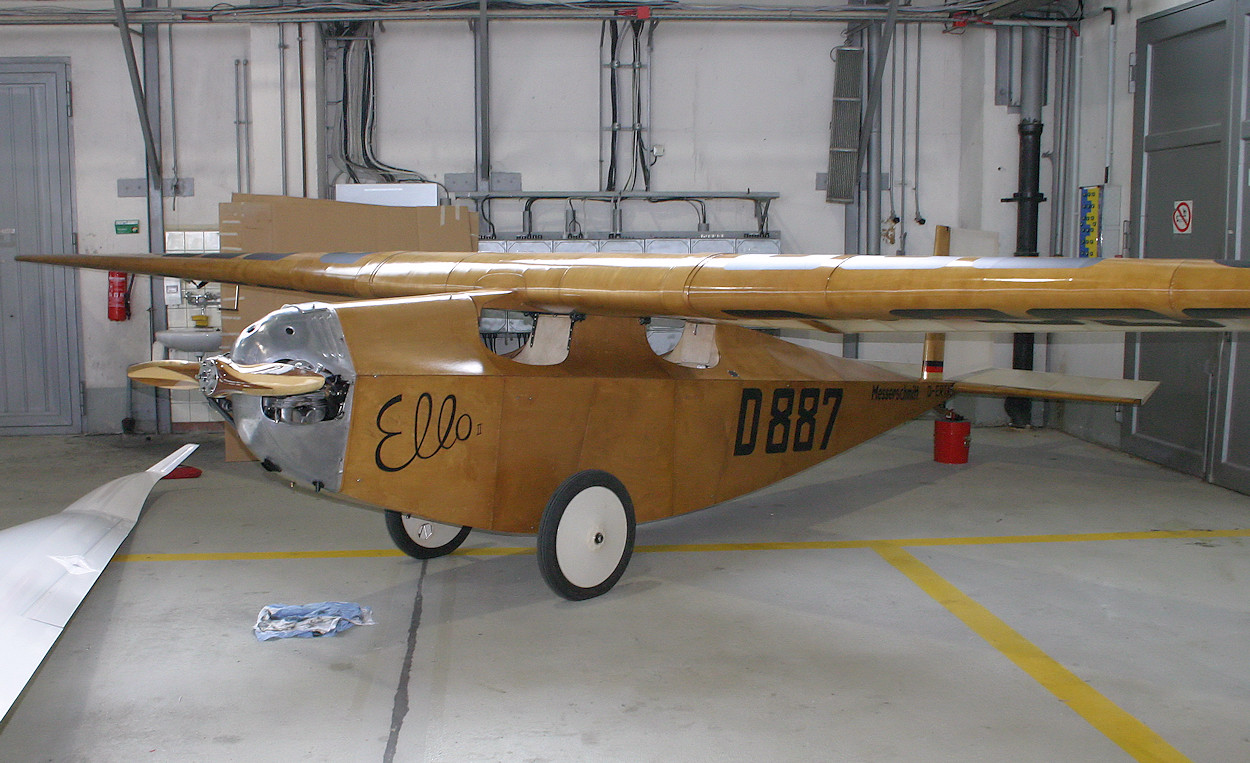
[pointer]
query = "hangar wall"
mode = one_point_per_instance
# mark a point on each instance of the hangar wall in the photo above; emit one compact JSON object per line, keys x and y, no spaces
{"x":735,"y":105}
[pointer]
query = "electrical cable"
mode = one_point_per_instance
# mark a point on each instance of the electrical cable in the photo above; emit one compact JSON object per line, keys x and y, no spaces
{"x":173,"y":120}
{"x":700,"y":206}
{"x":893,"y":125}
{"x":902,"y":144}
{"x":643,"y":150}
{"x":573,"y":229}
{"x":614,"y":102}
{"x":915,"y":178}
{"x":639,"y":163}
{"x":358,"y":106}
{"x":634,"y":109}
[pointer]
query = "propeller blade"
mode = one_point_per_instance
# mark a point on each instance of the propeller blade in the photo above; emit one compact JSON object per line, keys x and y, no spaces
{"x":169,"y":374}
{"x":221,"y":376}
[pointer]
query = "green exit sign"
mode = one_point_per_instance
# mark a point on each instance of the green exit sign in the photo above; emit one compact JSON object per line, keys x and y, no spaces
{"x":125,"y":226}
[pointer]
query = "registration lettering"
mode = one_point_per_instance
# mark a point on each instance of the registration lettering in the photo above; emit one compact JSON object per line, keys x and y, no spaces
{"x":795,"y":420}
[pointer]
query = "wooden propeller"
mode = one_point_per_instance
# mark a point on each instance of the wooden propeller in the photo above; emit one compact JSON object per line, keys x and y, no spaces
{"x":219,"y":376}
{"x":169,"y":374}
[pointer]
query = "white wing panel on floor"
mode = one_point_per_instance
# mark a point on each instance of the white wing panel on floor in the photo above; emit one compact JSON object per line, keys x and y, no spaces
{"x":47,"y":566}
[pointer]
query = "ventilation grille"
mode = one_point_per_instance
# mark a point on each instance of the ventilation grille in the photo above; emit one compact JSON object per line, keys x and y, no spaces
{"x":848,"y":68}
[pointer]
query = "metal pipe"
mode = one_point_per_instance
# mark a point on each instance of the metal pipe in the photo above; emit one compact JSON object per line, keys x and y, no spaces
{"x":1074,"y":140}
{"x":1111,"y":45}
{"x":919,"y":218}
{"x":1059,"y":150}
{"x":303,"y":114}
{"x":175,"y":172}
{"x":156,"y":202}
{"x":201,"y":15}
{"x":238,"y":124}
{"x":284,"y":148}
{"x":882,"y":41}
{"x":618,"y":219}
{"x":1028,"y":197}
{"x":242,"y":126}
{"x":527,"y":218}
{"x":902,"y":163}
{"x":136,"y":88}
{"x":893,"y":131}
{"x":481,"y":90}
{"x":878,"y":44}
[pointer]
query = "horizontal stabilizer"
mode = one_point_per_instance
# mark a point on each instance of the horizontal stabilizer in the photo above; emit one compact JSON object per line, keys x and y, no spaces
{"x":1001,"y":382}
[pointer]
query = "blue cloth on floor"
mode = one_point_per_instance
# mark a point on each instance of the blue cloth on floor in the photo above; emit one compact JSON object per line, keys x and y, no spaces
{"x":324,"y":618}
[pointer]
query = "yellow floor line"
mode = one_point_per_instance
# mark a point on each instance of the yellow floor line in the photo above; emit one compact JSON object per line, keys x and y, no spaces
{"x":1130,"y":734}
{"x":246,"y":556}
{"x":815,"y":545}
{"x":1133,"y":736}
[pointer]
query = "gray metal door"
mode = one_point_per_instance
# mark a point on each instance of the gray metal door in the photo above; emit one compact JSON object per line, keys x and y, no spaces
{"x":39,"y":357}
{"x":1180,"y":206}
{"x":1230,"y":459}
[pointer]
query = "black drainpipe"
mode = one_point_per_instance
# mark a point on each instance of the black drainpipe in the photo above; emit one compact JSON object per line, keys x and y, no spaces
{"x":1028,"y":197}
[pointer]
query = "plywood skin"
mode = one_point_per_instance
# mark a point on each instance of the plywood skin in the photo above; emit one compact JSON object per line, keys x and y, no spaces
{"x":426,"y":445}
{"x":443,"y":428}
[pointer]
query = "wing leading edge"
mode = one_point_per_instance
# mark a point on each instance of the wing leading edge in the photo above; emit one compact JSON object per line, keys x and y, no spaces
{"x":48,"y":565}
{"x":828,"y":292}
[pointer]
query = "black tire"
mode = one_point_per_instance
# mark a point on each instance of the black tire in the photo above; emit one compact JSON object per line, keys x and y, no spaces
{"x":602,"y":527}
{"x":414,"y":546}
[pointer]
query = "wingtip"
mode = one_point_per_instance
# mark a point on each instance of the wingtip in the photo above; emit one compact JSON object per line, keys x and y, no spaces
{"x":170,"y":462}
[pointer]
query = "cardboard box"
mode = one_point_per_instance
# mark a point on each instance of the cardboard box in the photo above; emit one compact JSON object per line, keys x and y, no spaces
{"x":253,"y":223}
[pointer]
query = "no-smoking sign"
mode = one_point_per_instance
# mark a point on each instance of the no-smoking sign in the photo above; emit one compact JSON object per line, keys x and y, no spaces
{"x":1183,"y":216}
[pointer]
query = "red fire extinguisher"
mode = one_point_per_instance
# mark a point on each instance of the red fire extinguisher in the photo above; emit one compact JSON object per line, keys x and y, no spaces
{"x":119,"y":296}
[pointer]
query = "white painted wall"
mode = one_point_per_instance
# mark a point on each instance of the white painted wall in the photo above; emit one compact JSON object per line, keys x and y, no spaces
{"x":736,"y":106}
{"x":108,"y":145}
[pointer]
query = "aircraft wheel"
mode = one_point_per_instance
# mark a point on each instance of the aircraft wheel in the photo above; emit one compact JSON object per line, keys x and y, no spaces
{"x":586,"y":535}
{"x":421,"y":538}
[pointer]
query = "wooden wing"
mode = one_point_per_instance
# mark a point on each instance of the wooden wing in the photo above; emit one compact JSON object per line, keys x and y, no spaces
{"x":827,"y":292}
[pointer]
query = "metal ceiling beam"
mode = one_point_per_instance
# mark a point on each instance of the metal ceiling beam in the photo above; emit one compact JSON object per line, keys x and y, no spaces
{"x":31,"y":15}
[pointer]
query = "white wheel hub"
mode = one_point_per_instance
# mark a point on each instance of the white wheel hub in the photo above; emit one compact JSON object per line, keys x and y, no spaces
{"x":590,"y":539}
{"x":429,"y":534}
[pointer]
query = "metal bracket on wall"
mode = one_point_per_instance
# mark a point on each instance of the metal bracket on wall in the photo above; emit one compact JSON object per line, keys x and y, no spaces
{"x":466,"y":182}
{"x":128,"y":188}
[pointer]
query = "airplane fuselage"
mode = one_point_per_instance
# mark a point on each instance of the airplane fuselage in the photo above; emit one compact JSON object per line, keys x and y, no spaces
{"x":436,"y":425}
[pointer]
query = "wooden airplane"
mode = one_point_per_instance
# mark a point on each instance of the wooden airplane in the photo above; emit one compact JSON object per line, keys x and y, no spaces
{"x":394,"y":401}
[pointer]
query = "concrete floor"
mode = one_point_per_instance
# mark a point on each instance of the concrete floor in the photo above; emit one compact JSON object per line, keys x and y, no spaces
{"x":755,"y":649}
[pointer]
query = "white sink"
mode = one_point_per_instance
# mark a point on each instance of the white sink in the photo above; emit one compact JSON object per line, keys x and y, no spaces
{"x":190,"y":340}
